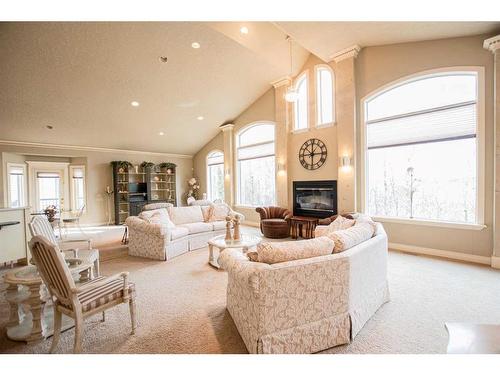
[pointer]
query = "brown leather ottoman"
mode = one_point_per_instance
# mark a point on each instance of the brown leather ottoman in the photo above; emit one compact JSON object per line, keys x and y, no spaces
{"x":275,"y":228}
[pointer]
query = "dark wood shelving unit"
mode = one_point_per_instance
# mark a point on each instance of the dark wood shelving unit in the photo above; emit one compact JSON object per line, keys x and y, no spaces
{"x":136,"y":186}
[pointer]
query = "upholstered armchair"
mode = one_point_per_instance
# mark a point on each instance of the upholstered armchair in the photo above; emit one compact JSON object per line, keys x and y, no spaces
{"x":274,"y":221}
{"x":78,"y":301}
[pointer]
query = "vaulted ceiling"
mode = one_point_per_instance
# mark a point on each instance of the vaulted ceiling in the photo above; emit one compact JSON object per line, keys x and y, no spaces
{"x":80,"y":78}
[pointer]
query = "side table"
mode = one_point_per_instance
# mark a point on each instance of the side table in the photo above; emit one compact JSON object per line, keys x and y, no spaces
{"x":221,"y":243}
{"x":303,"y":226}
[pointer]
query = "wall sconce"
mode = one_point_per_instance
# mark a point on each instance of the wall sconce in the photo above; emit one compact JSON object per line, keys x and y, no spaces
{"x":281,"y":168}
{"x":227,"y":172}
{"x":345,"y":162}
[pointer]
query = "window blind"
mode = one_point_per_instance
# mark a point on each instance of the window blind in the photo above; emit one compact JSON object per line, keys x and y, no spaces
{"x":434,"y":125}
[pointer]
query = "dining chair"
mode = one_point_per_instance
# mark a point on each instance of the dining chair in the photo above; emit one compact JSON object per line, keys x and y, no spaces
{"x":40,"y":226}
{"x":73,"y":220}
{"x":82,"y":301}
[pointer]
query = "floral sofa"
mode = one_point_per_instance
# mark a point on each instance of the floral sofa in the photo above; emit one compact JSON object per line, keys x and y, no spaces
{"x":189,"y":228}
{"x":306,"y":305}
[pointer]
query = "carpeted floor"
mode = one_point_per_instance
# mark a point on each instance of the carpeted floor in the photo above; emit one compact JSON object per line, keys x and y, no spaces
{"x":181,"y":309}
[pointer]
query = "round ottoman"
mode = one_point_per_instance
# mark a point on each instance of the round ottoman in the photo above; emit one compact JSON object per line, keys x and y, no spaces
{"x":275,"y":228}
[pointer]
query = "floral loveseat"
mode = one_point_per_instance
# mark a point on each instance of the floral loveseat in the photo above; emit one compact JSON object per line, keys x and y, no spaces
{"x":306,"y":305}
{"x":185,"y":229}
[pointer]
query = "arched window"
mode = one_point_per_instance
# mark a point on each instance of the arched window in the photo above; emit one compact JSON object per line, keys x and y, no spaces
{"x":422,"y":149}
{"x":300,"y":106}
{"x":325,"y":102}
{"x":215,"y":175}
{"x":256,"y":165}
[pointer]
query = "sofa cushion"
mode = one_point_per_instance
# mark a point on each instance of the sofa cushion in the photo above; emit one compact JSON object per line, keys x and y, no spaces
{"x":219,"y":225}
{"x":350,"y":237}
{"x":154,"y":206}
{"x":277,"y":252}
{"x":206,"y":211}
{"x":219,"y":212}
{"x":185,"y":215}
{"x":157,"y":216}
{"x":340,"y":223}
{"x":178,"y":232}
{"x":274,"y":221}
{"x":198,"y":227}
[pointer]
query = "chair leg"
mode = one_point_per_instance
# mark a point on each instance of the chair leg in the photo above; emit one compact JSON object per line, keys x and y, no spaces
{"x":57,"y":329}
{"x":96,"y":268}
{"x":78,"y":333}
{"x":131,"y":304}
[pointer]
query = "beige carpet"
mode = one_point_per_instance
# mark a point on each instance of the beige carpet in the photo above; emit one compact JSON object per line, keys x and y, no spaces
{"x":181,"y":309}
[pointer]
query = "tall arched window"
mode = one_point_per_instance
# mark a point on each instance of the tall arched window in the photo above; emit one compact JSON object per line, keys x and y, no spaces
{"x":256,"y":165}
{"x":422,"y":149}
{"x":215,"y":175}
{"x":325,"y":102}
{"x":300,"y":106}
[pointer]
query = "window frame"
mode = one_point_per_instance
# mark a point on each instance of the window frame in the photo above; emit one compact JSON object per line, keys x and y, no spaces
{"x":480,"y":146}
{"x":209,"y":196}
{"x":25,"y":183}
{"x":236,"y":160}
{"x":303,"y":76}
{"x":317,"y":69}
{"x":72,"y":167}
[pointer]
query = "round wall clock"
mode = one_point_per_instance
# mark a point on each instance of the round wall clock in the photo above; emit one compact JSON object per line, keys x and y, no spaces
{"x":312,"y":154}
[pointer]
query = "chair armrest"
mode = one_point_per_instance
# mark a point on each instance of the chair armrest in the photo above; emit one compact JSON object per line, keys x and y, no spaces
{"x":92,"y":285}
{"x":135,"y":223}
{"x":73,"y":261}
{"x":237,"y":214}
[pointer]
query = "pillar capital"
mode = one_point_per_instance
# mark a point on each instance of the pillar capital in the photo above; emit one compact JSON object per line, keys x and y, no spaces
{"x":226,"y":127}
{"x":283,"y":81}
{"x":492,"y":44}
{"x":346,"y":53}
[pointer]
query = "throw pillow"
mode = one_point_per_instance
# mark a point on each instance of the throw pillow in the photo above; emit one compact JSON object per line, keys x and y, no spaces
{"x":206,"y":212}
{"x":158,"y":216}
{"x":219,"y":212}
{"x":340,"y":223}
{"x":346,"y":238}
{"x":277,"y":252}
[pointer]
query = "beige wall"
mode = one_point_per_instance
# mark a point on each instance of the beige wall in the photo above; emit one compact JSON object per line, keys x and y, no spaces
{"x":98,"y":172}
{"x":378,"y":66}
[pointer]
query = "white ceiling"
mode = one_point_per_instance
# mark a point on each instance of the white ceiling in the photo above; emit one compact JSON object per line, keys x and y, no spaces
{"x":81,"y":77}
{"x":325,"y":39}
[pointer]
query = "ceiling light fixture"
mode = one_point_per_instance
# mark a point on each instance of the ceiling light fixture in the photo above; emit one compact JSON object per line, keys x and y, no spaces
{"x":291,"y":95}
{"x":200,"y":118}
{"x":195,"y":45}
{"x":134,"y":104}
{"x":50,"y":127}
{"x":244,"y":30}
{"x":161,"y":133}
{"x":163,"y":59}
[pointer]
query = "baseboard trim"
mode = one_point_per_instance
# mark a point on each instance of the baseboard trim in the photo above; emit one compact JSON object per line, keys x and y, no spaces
{"x":495,"y":262}
{"x":443,"y":253}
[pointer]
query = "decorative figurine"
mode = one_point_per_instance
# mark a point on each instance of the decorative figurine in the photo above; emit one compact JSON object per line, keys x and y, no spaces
{"x":228,"y":229}
{"x":236,"y":235}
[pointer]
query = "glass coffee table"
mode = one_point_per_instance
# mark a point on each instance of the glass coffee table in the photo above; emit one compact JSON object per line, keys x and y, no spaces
{"x":245,"y":242}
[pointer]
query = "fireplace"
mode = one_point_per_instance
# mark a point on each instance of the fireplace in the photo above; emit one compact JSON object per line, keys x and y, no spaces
{"x":315,"y":198}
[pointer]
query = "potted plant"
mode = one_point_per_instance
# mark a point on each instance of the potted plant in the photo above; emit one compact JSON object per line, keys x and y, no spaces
{"x":194,"y":188}
{"x":122,"y":165}
{"x":50,"y":212}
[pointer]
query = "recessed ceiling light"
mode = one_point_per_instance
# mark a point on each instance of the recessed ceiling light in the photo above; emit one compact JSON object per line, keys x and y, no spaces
{"x":50,"y":127}
{"x":134,"y":104}
{"x":200,"y":118}
{"x":163,"y":59}
{"x":161,"y":133}
{"x":195,"y":45}
{"x":244,"y":30}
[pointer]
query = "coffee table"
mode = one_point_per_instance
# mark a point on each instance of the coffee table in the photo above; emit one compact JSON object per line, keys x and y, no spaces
{"x":245,"y":242}
{"x":303,"y":226}
{"x":31,"y":311}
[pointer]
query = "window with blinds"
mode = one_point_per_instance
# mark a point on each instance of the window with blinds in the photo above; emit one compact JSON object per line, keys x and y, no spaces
{"x":256,"y":165}
{"x":421,"y":149}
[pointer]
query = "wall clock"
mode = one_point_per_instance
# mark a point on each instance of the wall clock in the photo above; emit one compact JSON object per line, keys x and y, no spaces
{"x":312,"y":154}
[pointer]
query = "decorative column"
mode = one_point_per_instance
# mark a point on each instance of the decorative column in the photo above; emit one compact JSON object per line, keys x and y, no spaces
{"x":493,"y":44}
{"x":281,"y":142}
{"x":227,"y":133}
{"x":346,"y":128}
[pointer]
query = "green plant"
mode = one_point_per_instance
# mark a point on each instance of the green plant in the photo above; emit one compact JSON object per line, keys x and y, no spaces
{"x":121,"y":164}
{"x":167,"y":165}
{"x":147,"y":164}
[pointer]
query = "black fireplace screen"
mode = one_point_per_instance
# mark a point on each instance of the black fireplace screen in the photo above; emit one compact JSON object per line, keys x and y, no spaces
{"x":315,"y":198}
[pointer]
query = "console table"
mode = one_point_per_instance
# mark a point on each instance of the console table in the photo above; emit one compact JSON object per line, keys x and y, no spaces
{"x":303,"y":226}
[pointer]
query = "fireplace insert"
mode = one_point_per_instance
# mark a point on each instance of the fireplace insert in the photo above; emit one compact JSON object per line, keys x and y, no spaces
{"x":315,"y":198}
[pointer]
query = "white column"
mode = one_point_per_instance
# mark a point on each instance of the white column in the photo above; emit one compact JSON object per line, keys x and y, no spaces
{"x":227,"y":132}
{"x":281,"y":142}
{"x":346,"y":127}
{"x":493,"y":44}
